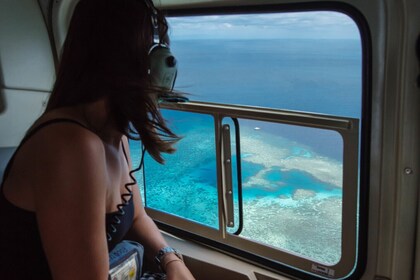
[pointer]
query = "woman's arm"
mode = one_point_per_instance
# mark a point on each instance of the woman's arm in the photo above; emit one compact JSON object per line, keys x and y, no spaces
{"x":145,"y":231}
{"x":70,"y":183}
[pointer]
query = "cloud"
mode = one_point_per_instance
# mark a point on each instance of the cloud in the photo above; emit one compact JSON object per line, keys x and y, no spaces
{"x":325,"y":25}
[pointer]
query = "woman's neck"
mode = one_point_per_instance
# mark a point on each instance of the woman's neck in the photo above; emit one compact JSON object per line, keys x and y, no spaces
{"x":99,"y":117}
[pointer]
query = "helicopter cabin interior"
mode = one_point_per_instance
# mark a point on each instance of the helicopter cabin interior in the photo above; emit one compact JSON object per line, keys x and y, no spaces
{"x":300,"y":155}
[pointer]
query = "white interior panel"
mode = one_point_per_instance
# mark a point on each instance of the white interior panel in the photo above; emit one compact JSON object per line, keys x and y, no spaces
{"x":26,"y":60}
{"x":22,"y":109}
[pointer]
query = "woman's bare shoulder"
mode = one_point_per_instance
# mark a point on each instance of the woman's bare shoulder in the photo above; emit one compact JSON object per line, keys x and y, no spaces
{"x":67,"y":134}
{"x":66,"y":158}
{"x":64,"y":142}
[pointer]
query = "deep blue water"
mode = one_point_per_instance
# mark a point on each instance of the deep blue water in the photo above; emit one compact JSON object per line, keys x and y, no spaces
{"x":322,"y":76}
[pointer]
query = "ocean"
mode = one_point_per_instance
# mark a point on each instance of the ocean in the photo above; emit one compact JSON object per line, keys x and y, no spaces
{"x":322,"y":76}
{"x":291,"y":176}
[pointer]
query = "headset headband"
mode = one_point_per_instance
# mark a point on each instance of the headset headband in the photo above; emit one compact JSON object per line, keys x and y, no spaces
{"x":154,"y":18}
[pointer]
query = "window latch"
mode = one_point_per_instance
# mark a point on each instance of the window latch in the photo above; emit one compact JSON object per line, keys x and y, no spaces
{"x":227,"y":177}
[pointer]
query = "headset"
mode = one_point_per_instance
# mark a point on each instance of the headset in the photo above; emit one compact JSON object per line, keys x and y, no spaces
{"x":162,"y":72}
{"x":163,"y":65}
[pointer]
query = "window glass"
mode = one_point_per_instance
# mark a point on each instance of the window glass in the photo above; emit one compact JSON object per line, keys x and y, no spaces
{"x":186,"y":185}
{"x":292,"y":189}
{"x":288,"y":186}
{"x":307,"y":61}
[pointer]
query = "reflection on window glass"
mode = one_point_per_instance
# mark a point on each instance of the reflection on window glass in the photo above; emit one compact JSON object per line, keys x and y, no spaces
{"x":292,"y":188}
{"x":307,"y":61}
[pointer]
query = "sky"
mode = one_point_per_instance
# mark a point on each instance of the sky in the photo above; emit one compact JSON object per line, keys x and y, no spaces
{"x":297,"y":25}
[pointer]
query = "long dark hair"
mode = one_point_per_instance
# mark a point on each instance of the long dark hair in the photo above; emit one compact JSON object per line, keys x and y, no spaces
{"x":106,"y":54}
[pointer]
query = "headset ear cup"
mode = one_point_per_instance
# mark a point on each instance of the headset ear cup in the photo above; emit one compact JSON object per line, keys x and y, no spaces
{"x":163,"y":67}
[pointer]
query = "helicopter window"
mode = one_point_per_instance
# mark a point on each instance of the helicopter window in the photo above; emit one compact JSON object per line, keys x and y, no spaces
{"x":269,"y":160}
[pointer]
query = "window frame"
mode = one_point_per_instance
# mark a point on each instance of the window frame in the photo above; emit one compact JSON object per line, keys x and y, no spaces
{"x":348,"y":128}
{"x":163,"y":220}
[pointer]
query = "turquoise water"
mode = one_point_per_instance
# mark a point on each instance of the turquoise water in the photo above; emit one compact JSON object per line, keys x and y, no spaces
{"x":287,"y":182}
{"x":287,"y":203}
{"x":250,"y":169}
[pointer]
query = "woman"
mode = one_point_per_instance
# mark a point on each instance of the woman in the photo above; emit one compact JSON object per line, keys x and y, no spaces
{"x":62,"y":188}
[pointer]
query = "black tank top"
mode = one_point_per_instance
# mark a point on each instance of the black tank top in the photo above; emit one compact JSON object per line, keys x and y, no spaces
{"x":21,"y":252}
